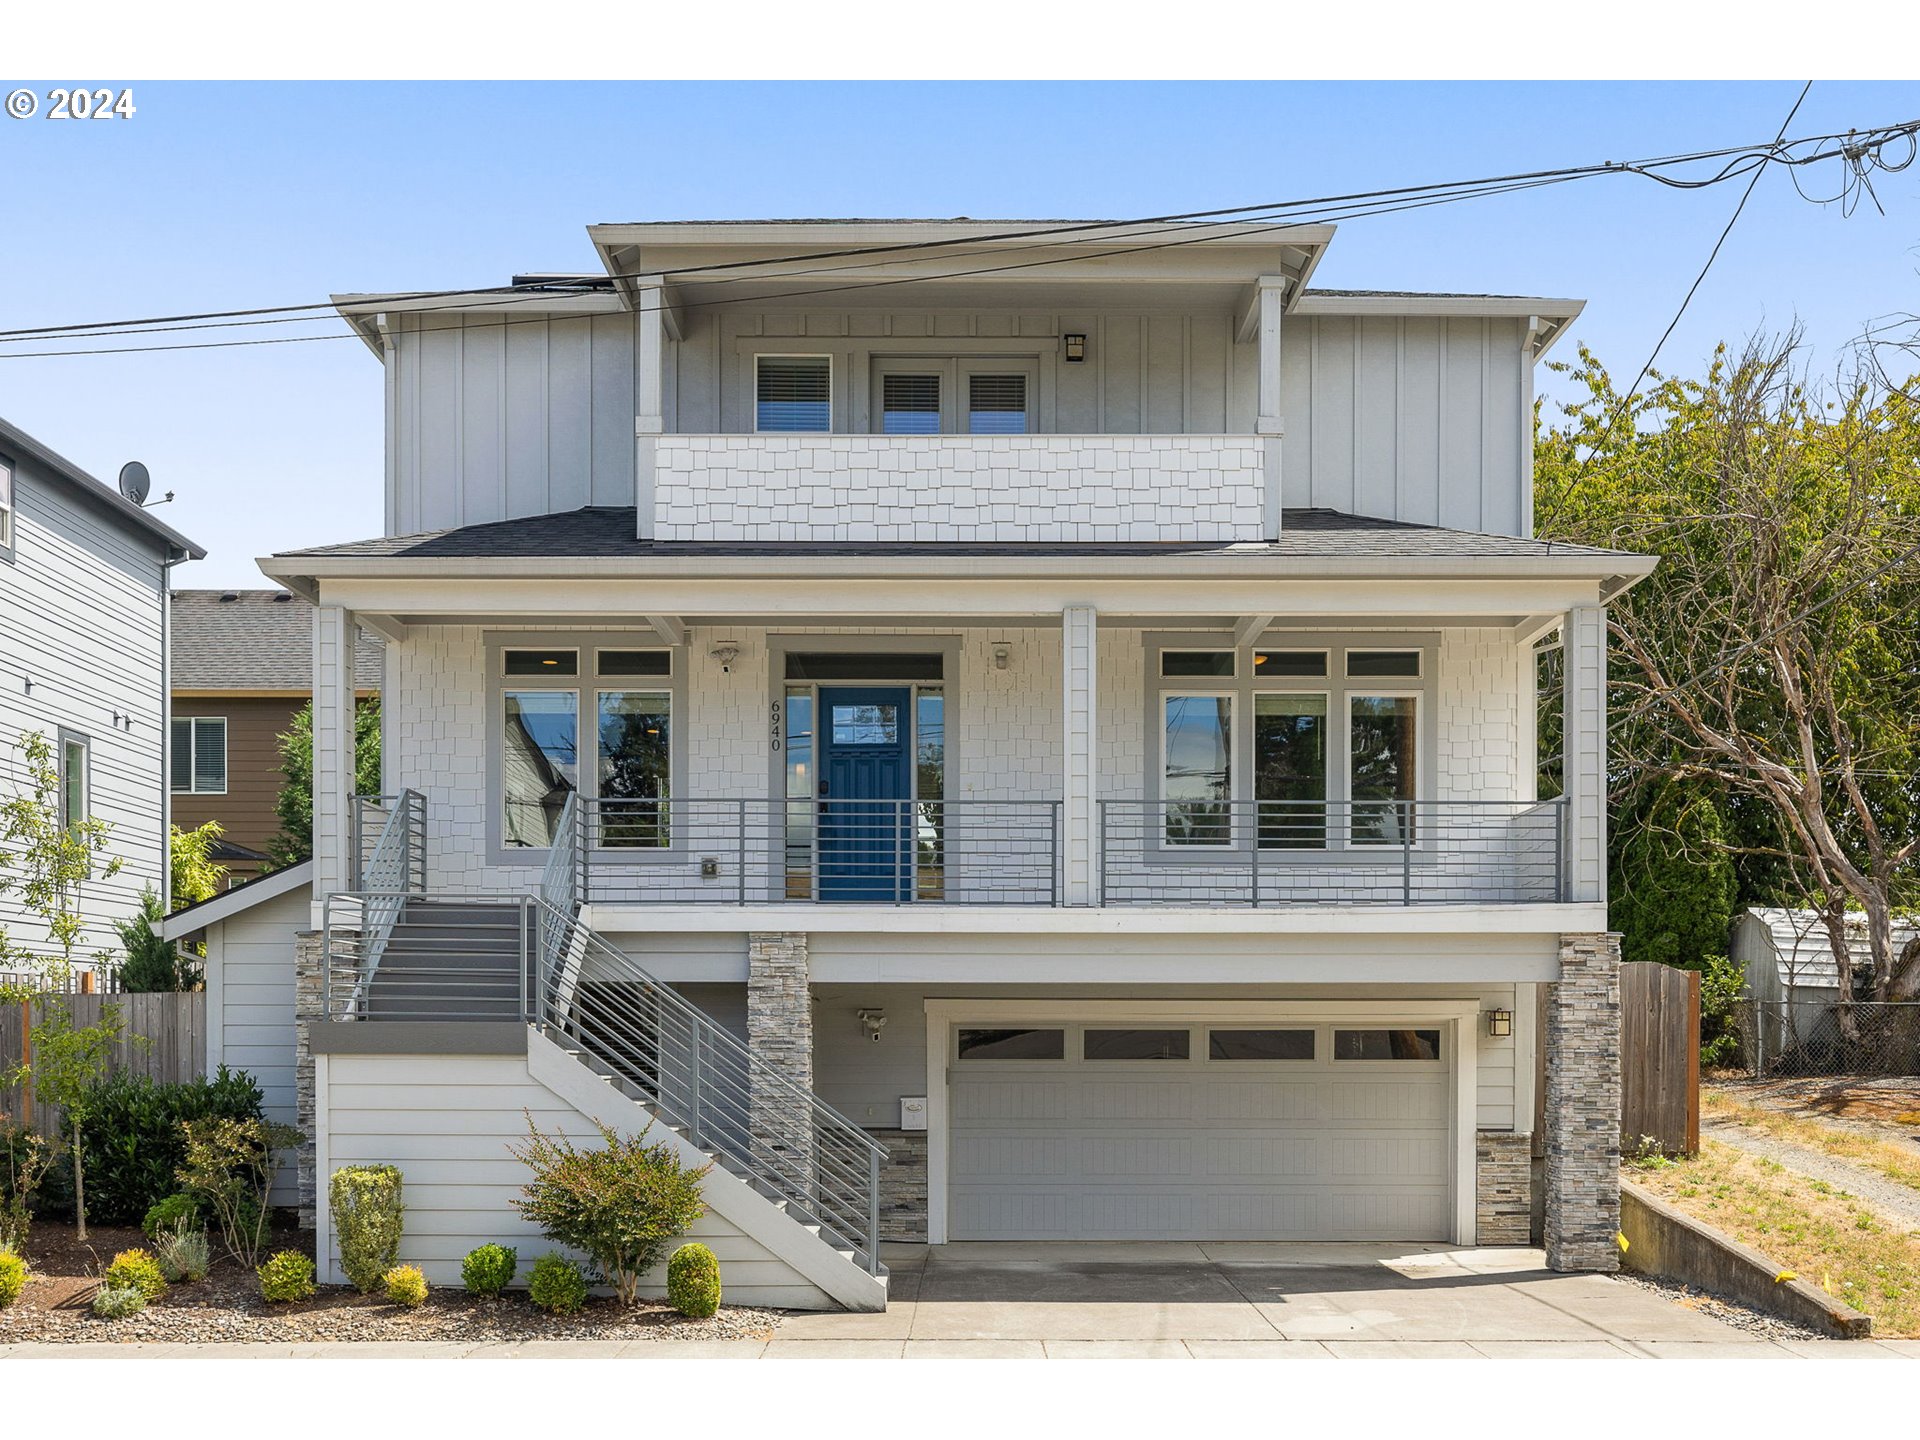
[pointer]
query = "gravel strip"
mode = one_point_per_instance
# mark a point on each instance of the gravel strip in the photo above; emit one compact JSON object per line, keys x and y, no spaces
{"x":1729,"y":1312}
{"x":1897,"y":1204}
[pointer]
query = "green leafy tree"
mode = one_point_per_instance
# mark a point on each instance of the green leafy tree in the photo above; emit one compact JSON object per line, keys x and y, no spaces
{"x":196,"y":875}
{"x":294,"y":806}
{"x":1771,"y":663}
{"x":69,"y":1062}
{"x":47,"y":859}
{"x":1671,"y":883}
{"x":151,"y":964}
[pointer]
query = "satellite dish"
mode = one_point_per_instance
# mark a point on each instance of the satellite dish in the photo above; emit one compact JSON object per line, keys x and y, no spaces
{"x":135,"y":482}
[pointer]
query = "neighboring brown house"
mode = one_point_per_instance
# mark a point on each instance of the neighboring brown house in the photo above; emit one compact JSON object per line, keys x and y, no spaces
{"x":242,"y":668}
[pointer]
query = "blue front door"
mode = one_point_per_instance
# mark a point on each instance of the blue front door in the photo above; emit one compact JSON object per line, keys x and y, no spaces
{"x":865,"y":842}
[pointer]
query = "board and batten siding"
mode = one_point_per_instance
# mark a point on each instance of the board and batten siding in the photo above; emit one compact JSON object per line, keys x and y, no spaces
{"x":81,"y":609}
{"x":250,"y":1006}
{"x":1419,"y":418}
{"x":447,"y":1121}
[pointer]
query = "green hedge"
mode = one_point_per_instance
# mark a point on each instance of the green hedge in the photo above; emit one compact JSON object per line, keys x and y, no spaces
{"x":133,"y":1142}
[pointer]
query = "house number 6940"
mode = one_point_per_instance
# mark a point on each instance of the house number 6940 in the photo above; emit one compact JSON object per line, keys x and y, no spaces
{"x":773,"y":727}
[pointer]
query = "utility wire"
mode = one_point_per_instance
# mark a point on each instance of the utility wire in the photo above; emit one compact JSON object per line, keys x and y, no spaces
{"x":1743,"y":159}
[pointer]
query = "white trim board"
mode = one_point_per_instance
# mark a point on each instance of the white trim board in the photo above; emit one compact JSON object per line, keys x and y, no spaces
{"x":1461,"y":1017}
{"x":237,"y":901}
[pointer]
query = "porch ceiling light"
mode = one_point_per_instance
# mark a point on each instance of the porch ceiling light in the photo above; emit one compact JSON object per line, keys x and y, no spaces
{"x":1499,"y":1023}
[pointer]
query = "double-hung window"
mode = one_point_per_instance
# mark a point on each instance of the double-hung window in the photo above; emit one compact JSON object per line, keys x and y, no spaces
{"x":6,"y":508}
{"x":197,"y":755}
{"x":622,"y":754}
{"x":1289,"y":749}
{"x":74,"y":780}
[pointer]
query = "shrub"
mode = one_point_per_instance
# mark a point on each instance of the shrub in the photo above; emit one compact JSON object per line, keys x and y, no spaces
{"x":406,"y":1286}
{"x":151,"y":963}
{"x":286,"y":1276}
{"x":168,"y":1215}
{"x":488,"y":1269}
{"x":620,"y":1205}
{"x":184,"y":1253}
{"x":366,"y":1220}
{"x":116,"y":1302}
{"x":557,"y":1285}
{"x":693,"y":1281}
{"x":133,"y":1145}
{"x":138,"y":1269}
{"x":229,"y":1166}
{"x":25,"y":1158}
{"x":13,"y":1277}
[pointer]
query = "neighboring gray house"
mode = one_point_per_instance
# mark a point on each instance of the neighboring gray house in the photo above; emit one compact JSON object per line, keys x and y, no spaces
{"x":83,"y":643}
{"x":987,"y":751}
{"x":1792,"y":978}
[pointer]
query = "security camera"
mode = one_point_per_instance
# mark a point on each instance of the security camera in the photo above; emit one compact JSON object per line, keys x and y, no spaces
{"x":874,"y":1020}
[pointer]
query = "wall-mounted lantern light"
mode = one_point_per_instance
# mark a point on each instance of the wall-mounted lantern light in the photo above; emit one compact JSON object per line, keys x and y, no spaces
{"x":1002,"y":653}
{"x":1499,"y":1023}
{"x":1075,"y":348}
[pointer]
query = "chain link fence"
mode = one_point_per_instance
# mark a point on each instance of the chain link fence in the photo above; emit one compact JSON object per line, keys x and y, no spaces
{"x":1820,"y":1037}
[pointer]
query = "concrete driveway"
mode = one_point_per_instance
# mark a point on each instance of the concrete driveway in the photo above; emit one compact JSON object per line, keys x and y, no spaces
{"x":1266,"y":1302}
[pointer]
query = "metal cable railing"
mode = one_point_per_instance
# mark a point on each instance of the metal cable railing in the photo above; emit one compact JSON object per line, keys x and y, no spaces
{"x":1251,"y":853}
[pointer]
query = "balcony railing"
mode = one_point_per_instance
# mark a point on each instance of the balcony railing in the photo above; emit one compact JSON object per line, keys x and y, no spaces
{"x":1387,"y":852}
{"x":765,"y":852}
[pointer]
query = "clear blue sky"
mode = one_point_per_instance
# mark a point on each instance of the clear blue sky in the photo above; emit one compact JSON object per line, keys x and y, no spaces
{"x":221,"y":196}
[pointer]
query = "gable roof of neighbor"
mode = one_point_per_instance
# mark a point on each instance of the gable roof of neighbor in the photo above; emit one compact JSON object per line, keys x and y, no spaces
{"x":253,"y":640}
{"x":1804,"y":953}
{"x":192,"y":919}
{"x":608,"y":532}
{"x":96,"y":493}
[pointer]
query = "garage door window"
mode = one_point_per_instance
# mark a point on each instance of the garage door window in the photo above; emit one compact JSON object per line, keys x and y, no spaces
{"x":1136,"y":1044}
{"x":1386,"y":1044}
{"x":1013,"y":1044}
{"x":1260,"y":1045}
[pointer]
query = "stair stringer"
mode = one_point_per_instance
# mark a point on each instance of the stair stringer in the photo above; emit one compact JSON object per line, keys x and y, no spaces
{"x":726,"y":1195}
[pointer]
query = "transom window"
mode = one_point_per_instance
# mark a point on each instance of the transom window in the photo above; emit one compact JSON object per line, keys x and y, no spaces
{"x":621,"y":749}
{"x":197,"y":755}
{"x":1305,"y":748}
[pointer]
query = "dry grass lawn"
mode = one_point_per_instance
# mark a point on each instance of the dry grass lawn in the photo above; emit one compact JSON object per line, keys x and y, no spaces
{"x":1805,"y":1225}
{"x":1896,"y":1162}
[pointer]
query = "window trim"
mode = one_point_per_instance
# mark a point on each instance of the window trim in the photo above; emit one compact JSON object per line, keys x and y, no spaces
{"x":9,"y":507}
{"x":66,"y":740}
{"x":193,"y":722}
{"x":1338,"y":690}
{"x":585,"y":686}
{"x":833,"y":386}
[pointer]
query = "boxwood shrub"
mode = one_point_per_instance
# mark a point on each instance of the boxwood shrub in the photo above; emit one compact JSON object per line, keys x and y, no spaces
{"x":133,"y":1143}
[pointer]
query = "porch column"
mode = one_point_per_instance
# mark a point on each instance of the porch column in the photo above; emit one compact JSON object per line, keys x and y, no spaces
{"x":333,"y":638}
{"x":1583,"y":1105}
{"x":1583,"y":751}
{"x":1268,"y":307}
{"x":1079,"y":821}
{"x":651,"y":319}
{"x":780,"y":1042}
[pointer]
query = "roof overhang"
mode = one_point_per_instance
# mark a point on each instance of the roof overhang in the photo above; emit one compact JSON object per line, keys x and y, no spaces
{"x":241,"y":898}
{"x":97,"y":494}
{"x":373,"y":316}
{"x":1547,"y":319}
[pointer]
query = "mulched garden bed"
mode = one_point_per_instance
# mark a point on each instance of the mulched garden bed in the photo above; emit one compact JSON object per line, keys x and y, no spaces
{"x":226,"y":1306}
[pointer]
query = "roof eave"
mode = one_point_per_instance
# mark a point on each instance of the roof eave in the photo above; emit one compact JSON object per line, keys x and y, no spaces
{"x":98,"y":493}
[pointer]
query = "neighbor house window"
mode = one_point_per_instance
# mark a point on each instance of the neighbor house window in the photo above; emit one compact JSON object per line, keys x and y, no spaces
{"x":793,"y":394}
{"x":198,"y":755}
{"x":73,"y":780}
{"x":1314,"y":746}
{"x":6,"y":508}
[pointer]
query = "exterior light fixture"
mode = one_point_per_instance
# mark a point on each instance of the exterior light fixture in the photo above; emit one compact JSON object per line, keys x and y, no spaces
{"x":726,"y":655}
{"x":873,"y":1021}
{"x":1076,"y":348}
{"x":1499,"y":1023}
{"x":1002,"y":653}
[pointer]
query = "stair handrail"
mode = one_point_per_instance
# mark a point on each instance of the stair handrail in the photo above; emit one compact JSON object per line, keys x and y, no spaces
{"x":395,"y":869}
{"x":837,"y":1183}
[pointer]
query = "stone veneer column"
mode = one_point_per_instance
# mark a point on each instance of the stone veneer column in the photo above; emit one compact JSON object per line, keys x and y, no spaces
{"x":308,"y":1006}
{"x":1503,"y":1208}
{"x":780,"y":1041}
{"x":1583,"y":1105}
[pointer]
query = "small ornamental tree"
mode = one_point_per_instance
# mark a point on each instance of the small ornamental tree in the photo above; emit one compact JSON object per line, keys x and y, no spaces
{"x":152,"y":964}
{"x":69,"y":1062}
{"x":196,"y":875}
{"x":294,"y":806}
{"x":620,"y":1206}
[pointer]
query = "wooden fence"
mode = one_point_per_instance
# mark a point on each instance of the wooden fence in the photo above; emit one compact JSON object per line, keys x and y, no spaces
{"x":164,"y":1036}
{"x":1659,"y":1058}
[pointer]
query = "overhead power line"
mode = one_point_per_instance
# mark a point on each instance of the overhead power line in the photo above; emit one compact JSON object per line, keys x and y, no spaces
{"x":1859,"y":149}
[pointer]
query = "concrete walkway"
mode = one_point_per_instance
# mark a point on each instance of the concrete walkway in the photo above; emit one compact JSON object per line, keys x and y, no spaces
{"x":1054,"y":1301}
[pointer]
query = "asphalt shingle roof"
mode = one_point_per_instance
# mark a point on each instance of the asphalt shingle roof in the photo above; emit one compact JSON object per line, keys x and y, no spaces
{"x":252,"y":640}
{"x":608,"y":531}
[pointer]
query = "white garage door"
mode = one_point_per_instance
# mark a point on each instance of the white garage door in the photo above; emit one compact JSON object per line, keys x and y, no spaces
{"x":1230,"y":1131}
